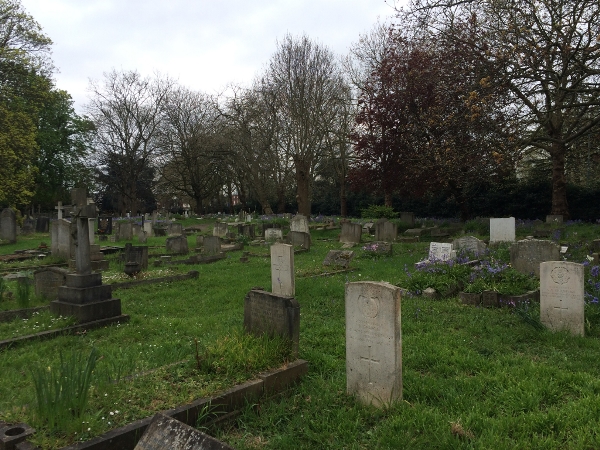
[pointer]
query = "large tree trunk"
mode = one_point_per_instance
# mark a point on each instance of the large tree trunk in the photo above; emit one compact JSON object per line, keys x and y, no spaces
{"x":280,"y":199}
{"x":559,"y":181}
{"x":303,"y":187}
{"x":387,"y":198}
{"x":343,"y":200}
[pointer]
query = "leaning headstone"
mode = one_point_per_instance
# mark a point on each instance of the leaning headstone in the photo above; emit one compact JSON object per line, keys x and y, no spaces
{"x":48,"y":280}
{"x":164,"y":432}
{"x":220,"y":229}
{"x":174,"y":229}
{"x":299,"y":223}
{"x":273,"y":314}
{"x":408,"y":218}
{"x":386,"y":231}
{"x":351,"y":233}
{"x":373,"y":342}
{"x":469,"y":244}
{"x":177,"y":245}
{"x":298,"y":239}
{"x":439,"y":251}
{"x":526,"y":255}
{"x":272,"y":234}
{"x":282,"y":270}
{"x":502,"y":230}
{"x":339,"y":258}
{"x":8,"y":225}
{"x":562,"y":296}
{"x":212,"y":245}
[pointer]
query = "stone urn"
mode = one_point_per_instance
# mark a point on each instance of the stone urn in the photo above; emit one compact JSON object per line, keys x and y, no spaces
{"x":132,"y":268}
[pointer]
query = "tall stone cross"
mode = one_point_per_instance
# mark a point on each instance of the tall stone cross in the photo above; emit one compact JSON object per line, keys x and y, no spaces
{"x":60,"y":209}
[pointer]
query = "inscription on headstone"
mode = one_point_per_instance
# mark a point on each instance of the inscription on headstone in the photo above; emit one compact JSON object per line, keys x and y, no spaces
{"x":562,"y":296}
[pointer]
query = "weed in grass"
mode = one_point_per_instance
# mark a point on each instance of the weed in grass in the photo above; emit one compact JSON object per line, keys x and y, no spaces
{"x":62,"y":392}
{"x":23,"y":292}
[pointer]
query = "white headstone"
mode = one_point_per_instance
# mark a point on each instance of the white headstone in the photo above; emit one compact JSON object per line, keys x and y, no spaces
{"x":562,"y":296}
{"x":502,"y":230}
{"x":272,"y":234}
{"x":373,"y":342}
{"x":440,"y":251}
{"x":282,"y":270}
{"x":299,"y":223}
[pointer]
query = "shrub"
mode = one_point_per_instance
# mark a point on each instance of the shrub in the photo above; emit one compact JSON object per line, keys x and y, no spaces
{"x":379,"y":211}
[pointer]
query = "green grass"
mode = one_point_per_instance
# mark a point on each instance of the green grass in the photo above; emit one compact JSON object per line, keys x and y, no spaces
{"x":472,"y":377}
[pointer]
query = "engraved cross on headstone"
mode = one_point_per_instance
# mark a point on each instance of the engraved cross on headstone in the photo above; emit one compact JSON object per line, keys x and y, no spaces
{"x":561,"y":310}
{"x":370,"y":361}
{"x":278,"y":266}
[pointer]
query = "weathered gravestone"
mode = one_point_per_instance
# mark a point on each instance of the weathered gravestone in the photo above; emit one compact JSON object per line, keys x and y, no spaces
{"x":61,"y":239}
{"x":502,"y":230}
{"x":174,"y":229}
{"x":123,"y":231}
{"x":79,"y":197}
{"x":373,"y":342}
{"x":469,"y":244}
{"x":199,"y":241}
{"x":48,"y":280}
{"x":148,"y":228}
{"x":177,"y":245}
{"x":273,"y":314}
{"x":378,"y":248}
{"x":526,"y":255}
{"x":273,"y":234}
{"x":339,"y":258}
{"x":28,"y":226}
{"x":439,"y":251}
{"x":351,"y":233}
{"x":212,"y":245}
{"x":167,"y":433}
{"x":42,"y":225}
{"x":282,"y":270}
{"x":246,"y":230}
{"x":386,"y":231}
{"x":562,"y":296}
{"x":408,"y":218}
{"x":220,"y":229}
{"x":298,"y":239}
{"x":137,"y":254}
{"x":299,"y":223}
{"x":8,"y":225}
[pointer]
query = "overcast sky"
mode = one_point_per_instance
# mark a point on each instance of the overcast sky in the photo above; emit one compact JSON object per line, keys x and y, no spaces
{"x":204,"y":44}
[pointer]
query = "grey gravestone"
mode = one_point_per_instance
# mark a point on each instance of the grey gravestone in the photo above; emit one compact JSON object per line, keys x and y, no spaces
{"x":274,"y":314}
{"x":298,"y":239}
{"x":526,"y":255}
{"x":502,"y":230}
{"x":147,"y":228}
{"x":8,"y":225}
{"x":373,"y":342}
{"x":299,"y":223}
{"x":28,"y":226}
{"x":282,"y":270}
{"x":220,"y":229}
{"x":378,"y":248}
{"x":42,"y":225}
{"x":439,"y":251}
{"x":339,"y":258}
{"x":408,"y":218}
{"x":351,"y":233}
{"x":386,"y":231}
{"x":562,"y":296}
{"x":174,"y":229}
{"x":272,"y":234}
{"x":212,"y":245}
{"x":167,"y":433}
{"x":469,"y":244}
{"x":48,"y":280}
{"x":199,"y":241}
{"x":137,"y":254}
{"x":143,"y":237}
{"x":177,"y":245}
{"x":124,"y":231}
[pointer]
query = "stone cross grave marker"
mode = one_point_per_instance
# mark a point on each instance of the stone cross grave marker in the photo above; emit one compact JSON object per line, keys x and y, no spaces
{"x":60,"y":210}
{"x":282,"y":270}
{"x":562,"y":296}
{"x":8,"y":225}
{"x":526,"y":255}
{"x":351,"y":233}
{"x":373,"y":342}
{"x":440,"y":251}
{"x":502,"y":230}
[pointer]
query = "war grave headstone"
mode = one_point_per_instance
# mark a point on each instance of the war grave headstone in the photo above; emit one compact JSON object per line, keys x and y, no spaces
{"x":526,"y":255}
{"x":48,"y":280}
{"x":8,"y":225}
{"x":373,"y":342}
{"x":220,"y":229}
{"x":282,"y":270}
{"x":562,"y":296}
{"x":470,"y":244}
{"x":351,"y":233}
{"x":273,"y":234}
{"x":386,"y":231}
{"x":299,"y":223}
{"x":164,"y":432}
{"x":298,"y":239}
{"x":502,"y":230}
{"x":174,"y":229}
{"x":177,"y":245}
{"x":440,"y":251}
{"x":273,"y":314}
{"x":339,"y":258}
{"x":42,"y":225}
{"x":137,"y":254}
{"x":84,"y":296}
{"x":408,"y":218}
{"x":212,"y":245}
